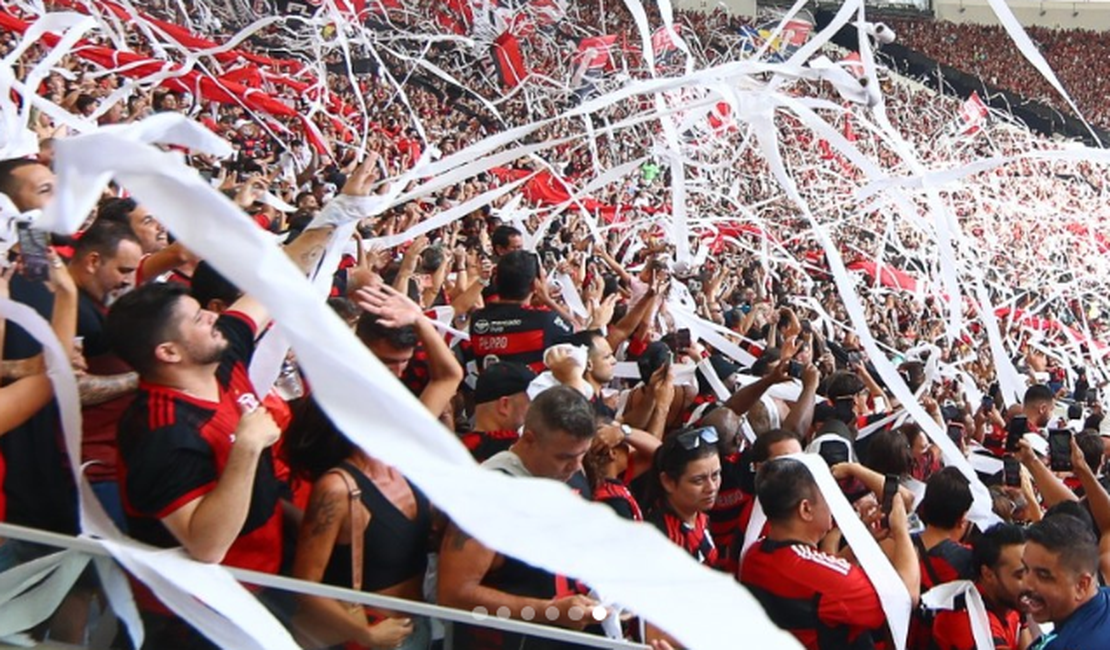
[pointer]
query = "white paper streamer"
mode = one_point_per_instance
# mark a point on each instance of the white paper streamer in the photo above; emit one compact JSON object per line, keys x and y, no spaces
{"x":944,"y":596}
{"x":350,"y":383}
{"x":892,"y":592}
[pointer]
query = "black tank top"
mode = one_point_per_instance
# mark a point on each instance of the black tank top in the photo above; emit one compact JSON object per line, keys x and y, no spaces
{"x":395,"y":547}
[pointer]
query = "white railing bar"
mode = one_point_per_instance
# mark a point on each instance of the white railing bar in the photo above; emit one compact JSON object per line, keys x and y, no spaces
{"x":92,"y":546}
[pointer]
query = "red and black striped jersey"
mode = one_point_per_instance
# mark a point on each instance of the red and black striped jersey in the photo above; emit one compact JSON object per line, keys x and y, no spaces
{"x":952,"y":628}
{"x":173,"y":447}
{"x":517,"y":333}
{"x":728,"y":510}
{"x":946,"y":562}
{"x":826,"y":602}
{"x":695,"y":539}
{"x":617,"y":496}
{"x":484,"y":445}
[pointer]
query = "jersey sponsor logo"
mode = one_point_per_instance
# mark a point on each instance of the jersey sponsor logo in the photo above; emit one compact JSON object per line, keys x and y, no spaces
{"x":559,"y":322}
{"x":489,"y":360}
{"x":497,"y":326}
{"x":810,"y":554}
{"x":728,"y":498}
{"x":481,"y":326}
{"x":247,"y":402}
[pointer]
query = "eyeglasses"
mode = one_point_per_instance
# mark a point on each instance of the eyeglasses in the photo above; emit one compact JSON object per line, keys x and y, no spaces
{"x":691,"y":440}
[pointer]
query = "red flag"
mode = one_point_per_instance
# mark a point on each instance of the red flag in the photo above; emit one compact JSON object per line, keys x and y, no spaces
{"x":888,"y":275}
{"x":662,"y":42}
{"x":508,"y":59}
{"x":595,"y":50}
{"x":720,"y":117}
{"x":853,"y":64}
{"x":795,"y":33}
{"x":972,"y":113}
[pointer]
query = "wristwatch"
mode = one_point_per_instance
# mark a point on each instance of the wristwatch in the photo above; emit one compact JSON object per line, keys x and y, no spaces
{"x":626,"y":430}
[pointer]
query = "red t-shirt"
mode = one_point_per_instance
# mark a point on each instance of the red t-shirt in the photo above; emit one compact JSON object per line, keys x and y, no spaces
{"x":826,"y":602}
{"x":952,"y":629}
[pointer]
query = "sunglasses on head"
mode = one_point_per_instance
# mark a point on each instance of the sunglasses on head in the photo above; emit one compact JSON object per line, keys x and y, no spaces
{"x":691,"y":440}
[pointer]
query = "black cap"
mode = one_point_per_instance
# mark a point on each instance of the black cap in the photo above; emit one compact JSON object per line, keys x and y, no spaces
{"x":502,"y":379}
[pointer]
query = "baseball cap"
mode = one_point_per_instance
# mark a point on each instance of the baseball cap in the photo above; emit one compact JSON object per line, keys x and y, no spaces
{"x":502,"y":379}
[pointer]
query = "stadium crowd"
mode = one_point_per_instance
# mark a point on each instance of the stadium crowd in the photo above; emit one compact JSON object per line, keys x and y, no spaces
{"x":987,"y":52}
{"x":688,"y":438}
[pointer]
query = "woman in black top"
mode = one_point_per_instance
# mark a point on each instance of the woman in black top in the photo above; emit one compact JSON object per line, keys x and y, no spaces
{"x":391,"y":515}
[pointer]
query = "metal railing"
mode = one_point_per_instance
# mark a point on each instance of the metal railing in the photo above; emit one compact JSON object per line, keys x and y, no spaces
{"x":446,"y":615}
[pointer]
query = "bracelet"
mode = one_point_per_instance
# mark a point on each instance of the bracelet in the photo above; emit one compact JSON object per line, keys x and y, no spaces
{"x":485,"y":282}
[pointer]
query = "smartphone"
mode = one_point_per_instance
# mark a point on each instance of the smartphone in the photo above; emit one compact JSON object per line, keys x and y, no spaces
{"x":807,"y":327}
{"x":854,"y":357}
{"x":834,"y":452}
{"x":1018,"y":427}
{"x":890,"y":490}
{"x":1059,"y":450}
{"x":956,"y":434}
{"x":549,"y":260}
{"x":795,"y":369}
{"x":1011,"y":472}
{"x":33,"y":245}
{"x":682,"y":340}
{"x":987,"y":403}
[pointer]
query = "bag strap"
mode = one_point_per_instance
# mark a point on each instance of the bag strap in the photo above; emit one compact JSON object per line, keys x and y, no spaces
{"x":358,"y":519}
{"x":923,"y":557}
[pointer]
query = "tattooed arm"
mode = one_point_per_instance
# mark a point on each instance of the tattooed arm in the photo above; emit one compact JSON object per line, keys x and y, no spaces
{"x":306,"y":252}
{"x":97,"y":389}
{"x":463,"y":565}
{"x":324,"y":621}
{"x":319,"y":531}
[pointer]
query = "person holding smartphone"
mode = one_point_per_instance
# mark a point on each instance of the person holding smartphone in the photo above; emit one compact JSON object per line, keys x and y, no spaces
{"x":787,"y":571}
{"x":940,"y":549}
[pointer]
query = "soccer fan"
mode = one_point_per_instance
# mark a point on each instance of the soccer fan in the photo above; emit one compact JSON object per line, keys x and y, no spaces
{"x":511,"y":329}
{"x":195,"y":467}
{"x":1000,"y":577}
{"x":1062,"y":558}
{"x":558,"y":431}
{"x":500,"y":405}
{"x":824,"y":600}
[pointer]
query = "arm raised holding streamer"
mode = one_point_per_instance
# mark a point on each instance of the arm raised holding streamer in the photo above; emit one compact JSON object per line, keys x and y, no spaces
{"x":351,"y":205}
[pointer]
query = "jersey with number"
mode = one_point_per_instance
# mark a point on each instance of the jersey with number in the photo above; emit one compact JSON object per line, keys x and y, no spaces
{"x":517,"y":333}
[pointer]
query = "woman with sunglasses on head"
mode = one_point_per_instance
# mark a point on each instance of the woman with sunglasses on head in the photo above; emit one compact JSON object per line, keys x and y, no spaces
{"x":685,"y":478}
